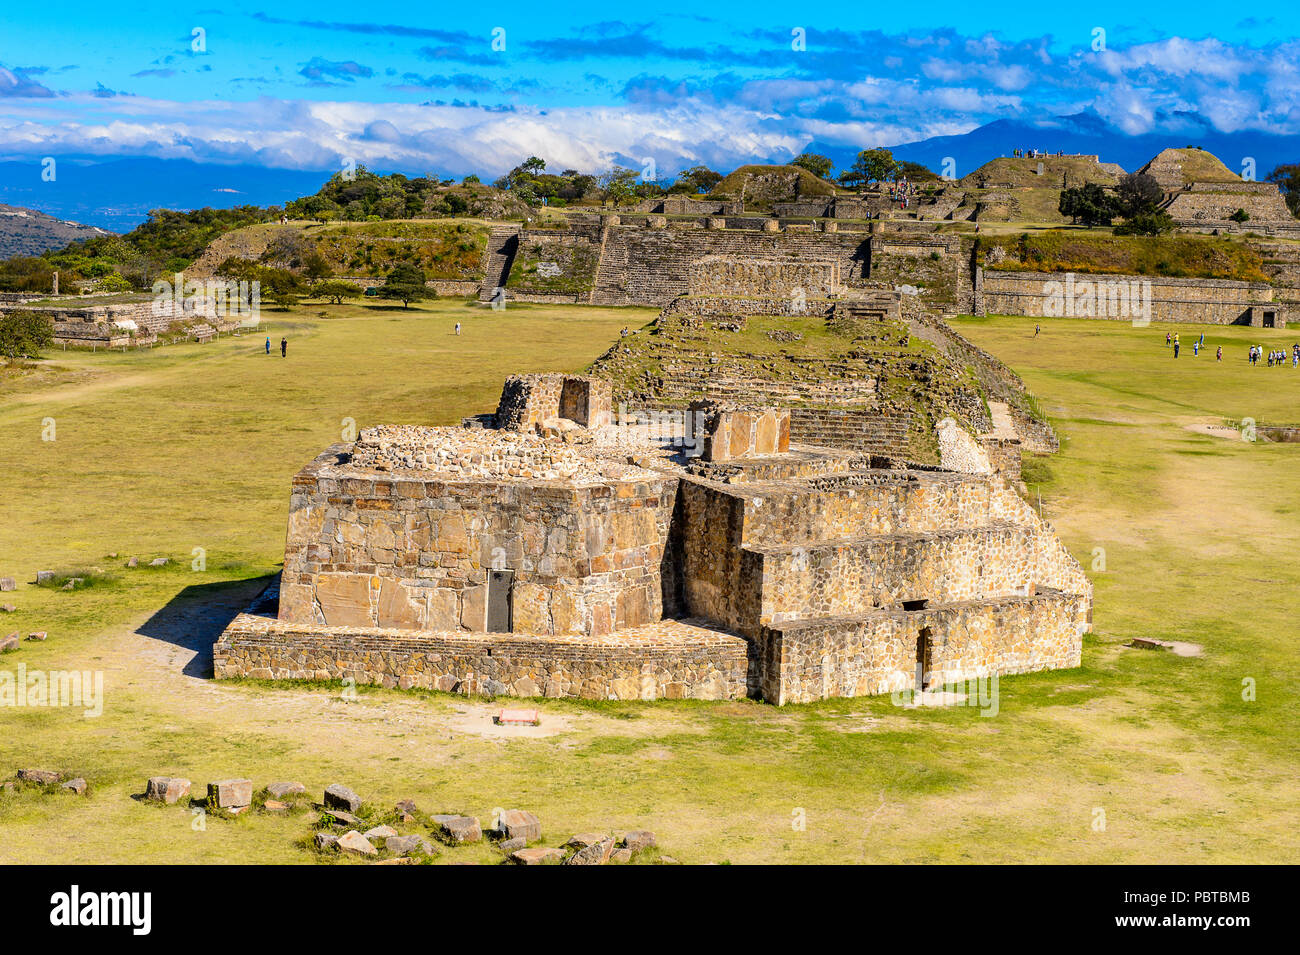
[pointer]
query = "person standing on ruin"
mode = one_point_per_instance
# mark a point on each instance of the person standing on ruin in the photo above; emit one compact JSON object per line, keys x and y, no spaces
{"x":284,"y":348}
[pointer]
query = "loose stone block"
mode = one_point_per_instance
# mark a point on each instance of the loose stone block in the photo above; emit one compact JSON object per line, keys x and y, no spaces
{"x":281,"y":789}
{"x":43,"y":777}
{"x":538,"y":856}
{"x":231,"y":793}
{"x":354,"y":842}
{"x":457,"y":830}
{"x":8,"y":583}
{"x":518,"y":824}
{"x":167,"y":789}
{"x":596,"y":854}
{"x":338,"y":796}
{"x":410,"y":845}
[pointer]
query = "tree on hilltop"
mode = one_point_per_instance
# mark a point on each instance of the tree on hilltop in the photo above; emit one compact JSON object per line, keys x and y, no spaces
{"x":872,"y":165}
{"x":695,"y":180}
{"x":817,"y":164}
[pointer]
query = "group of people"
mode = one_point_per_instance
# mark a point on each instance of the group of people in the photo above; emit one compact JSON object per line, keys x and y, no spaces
{"x":284,"y":346}
{"x":1175,"y":342}
{"x":1032,"y":153}
{"x":902,"y":191}
{"x":1276,"y":357}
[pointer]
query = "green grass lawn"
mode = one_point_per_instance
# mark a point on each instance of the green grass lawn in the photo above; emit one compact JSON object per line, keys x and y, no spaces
{"x":190,"y":446}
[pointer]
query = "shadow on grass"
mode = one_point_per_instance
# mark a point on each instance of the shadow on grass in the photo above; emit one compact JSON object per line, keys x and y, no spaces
{"x":196,"y":616}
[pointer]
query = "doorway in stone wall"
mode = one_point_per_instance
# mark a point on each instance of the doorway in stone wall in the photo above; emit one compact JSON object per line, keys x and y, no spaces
{"x":500,"y":618}
{"x":575,"y":401}
{"x":924,"y":659}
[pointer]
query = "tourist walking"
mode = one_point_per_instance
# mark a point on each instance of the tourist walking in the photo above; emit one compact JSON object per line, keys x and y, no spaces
{"x":268,"y":344}
{"x":458,"y":328}
{"x":284,"y":347}
{"x":1218,"y":355}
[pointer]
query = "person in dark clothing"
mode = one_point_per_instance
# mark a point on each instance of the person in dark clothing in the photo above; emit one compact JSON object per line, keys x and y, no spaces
{"x":284,"y":347}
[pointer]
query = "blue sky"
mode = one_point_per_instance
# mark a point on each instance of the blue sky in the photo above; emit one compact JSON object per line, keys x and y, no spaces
{"x":422,"y":88}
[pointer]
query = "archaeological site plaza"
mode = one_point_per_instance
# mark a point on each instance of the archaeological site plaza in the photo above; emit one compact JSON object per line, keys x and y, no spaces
{"x":702,"y":515}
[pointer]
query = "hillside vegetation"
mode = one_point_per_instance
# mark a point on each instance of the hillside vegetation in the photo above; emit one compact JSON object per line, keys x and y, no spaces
{"x":1174,"y":256}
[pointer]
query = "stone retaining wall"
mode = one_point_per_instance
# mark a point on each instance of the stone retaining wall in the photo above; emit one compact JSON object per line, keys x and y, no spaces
{"x":1203,"y":301}
{"x":671,"y":660}
{"x":819,"y":659}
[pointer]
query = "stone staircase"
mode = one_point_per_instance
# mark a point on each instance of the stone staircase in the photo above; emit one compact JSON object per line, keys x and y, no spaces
{"x":502,"y":245}
{"x":875,"y":581}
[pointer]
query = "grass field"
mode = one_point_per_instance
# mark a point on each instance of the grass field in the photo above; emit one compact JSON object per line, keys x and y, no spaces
{"x":191,"y":446}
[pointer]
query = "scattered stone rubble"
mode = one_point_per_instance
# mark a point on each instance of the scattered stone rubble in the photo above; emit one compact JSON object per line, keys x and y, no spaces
{"x":467,"y":454}
{"x":515,"y":832}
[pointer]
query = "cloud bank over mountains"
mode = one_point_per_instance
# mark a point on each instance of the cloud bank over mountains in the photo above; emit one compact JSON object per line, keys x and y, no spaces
{"x":314,"y":94}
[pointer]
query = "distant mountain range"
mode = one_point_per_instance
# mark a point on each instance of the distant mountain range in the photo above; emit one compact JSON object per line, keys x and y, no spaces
{"x":1088,"y":134}
{"x":28,"y":232}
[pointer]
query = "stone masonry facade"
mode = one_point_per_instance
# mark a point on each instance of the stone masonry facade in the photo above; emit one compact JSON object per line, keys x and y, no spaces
{"x":532,"y":563}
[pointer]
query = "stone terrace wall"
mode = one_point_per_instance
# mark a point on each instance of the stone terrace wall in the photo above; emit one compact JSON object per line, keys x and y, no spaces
{"x":670,"y":660}
{"x":850,"y":578}
{"x":653,"y":266}
{"x":865,"y":430}
{"x":375,"y":550}
{"x":769,"y":278}
{"x":819,"y":659}
{"x":1205,"y":301}
{"x":1215,"y":202}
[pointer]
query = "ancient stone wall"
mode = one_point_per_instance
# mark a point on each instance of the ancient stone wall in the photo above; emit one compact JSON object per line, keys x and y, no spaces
{"x":732,"y":432}
{"x":1203,"y":301}
{"x":414,"y":552}
{"x":867,"y":430}
{"x":1215,"y":203}
{"x":669,"y":660}
{"x":773,"y":278}
{"x":528,"y":400}
{"x":652,"y":267}
{"x":817,"y":659}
